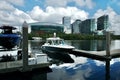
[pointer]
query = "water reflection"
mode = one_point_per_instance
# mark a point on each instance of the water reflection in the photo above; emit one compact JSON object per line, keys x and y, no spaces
{"x":92,"y":45}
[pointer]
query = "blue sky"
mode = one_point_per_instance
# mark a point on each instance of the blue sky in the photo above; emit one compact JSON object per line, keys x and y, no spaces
{"x":18,"y":11}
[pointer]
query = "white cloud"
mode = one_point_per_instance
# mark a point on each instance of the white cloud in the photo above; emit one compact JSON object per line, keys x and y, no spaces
{"x":15,"y":18}
{"x":58,"y":3}
{"x":6,"y":6}
{"x":9,"y":15}
{"x":85,"y":3}
{"x":15,"y":2}
{"x":114,"y":19}
{"x":55,"y":14}
{"x":63,"y":3}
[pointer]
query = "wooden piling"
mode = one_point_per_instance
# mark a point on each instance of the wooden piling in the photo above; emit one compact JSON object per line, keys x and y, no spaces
{"x":108,"y":42}
{"x":25,"y":46}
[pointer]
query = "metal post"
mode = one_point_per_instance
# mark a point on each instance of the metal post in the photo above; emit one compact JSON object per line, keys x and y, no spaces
{"x":25,"y":45}
{"x":108,"y":41}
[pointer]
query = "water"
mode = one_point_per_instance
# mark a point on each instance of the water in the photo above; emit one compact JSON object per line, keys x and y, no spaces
{"x":90,"y":45}
{"x":93,"y":45}
{"x":83,"y":68}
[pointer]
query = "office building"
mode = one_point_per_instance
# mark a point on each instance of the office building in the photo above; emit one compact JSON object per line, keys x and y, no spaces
{"x":66,"y":21}
{"x":87,"y":26}
{"x":76,"y":26}
{"x":102,"y":22}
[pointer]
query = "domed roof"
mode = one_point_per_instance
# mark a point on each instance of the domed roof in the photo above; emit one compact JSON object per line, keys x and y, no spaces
{"x":47,"y":23}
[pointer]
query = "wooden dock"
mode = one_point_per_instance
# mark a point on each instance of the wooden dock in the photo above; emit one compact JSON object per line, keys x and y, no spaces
{"x":18,"y":66}
{"x":98,"y":55}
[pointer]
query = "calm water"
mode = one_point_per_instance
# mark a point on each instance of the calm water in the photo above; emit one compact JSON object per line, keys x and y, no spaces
{"x":93,"y":45}
{"x":82,"y":68}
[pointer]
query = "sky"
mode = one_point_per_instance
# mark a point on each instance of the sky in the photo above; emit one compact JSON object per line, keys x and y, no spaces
{"x":15,"y":12}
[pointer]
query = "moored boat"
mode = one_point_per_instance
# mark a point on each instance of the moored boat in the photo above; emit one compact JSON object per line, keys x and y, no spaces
{"x":57,"y":49}
{"x":56,"y":44}
{"x":37,"y":38}
{"x":8,"y":39}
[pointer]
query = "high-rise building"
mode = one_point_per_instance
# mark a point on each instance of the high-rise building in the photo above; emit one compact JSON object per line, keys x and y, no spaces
{"x":75,"y":26}
{"x":66,"y":21}
{"x":102,"y":22}
{"x":87,"y":26}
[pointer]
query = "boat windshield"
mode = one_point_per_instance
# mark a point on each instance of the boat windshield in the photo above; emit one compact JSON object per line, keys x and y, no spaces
{"x":55,"y":42}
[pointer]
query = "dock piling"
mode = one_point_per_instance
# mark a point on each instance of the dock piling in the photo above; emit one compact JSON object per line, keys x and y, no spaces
{"x":108,"y":42}
{"x":25,"y":46}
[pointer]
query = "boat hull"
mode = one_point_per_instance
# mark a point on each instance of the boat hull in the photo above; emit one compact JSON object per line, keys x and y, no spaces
{"x":9,"y":41}
{"x":56,"y":49}
{"x":60,"y":56}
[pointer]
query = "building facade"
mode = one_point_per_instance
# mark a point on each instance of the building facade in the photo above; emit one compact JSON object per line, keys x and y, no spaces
{"x":87,"y":26}
{"x":76,"y":26}
{"x":45,"y":27}
{"x":66,"y":21}
{"x":102,"y":22}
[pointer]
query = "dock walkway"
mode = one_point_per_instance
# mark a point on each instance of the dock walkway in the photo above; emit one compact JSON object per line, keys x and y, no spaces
{"x":98,"y":55}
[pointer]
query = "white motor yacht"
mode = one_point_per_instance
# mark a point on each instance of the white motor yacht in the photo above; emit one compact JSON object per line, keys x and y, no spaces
{"x":56,"y":44}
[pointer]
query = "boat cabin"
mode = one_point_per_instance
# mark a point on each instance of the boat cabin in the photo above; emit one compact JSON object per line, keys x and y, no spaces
{"x":54,"y":41}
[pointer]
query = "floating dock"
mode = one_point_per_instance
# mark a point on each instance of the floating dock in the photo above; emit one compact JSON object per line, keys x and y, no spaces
{"x":97,"y":55}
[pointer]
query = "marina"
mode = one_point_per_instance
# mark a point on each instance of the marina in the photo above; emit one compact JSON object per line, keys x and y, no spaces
{"x":39,"y":63}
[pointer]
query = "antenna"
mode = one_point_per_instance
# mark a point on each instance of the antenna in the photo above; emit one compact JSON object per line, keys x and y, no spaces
{"x":54,"y":34}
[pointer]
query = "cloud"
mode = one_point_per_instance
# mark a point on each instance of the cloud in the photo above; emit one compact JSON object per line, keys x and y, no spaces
{"x":63,"y":3}
{"x":85,"y":3}
{"x":15,"y":2}
{"x":55,"y":14}
{"x":114,"y":19}
{"x":9,"y":15}
{"x":15,"y":18}
{"x":4,"y":6}
{"x":58,"y":3}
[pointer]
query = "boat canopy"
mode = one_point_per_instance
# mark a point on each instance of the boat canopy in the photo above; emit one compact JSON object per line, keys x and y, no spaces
{"x":7,"y":27}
